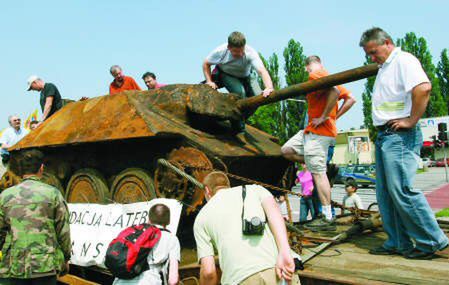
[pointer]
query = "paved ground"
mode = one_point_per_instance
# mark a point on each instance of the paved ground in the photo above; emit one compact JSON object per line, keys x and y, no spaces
{"x":428,"y":182}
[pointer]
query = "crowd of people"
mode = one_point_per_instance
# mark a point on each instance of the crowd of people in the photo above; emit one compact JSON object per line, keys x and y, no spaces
{"x":244,"y":224}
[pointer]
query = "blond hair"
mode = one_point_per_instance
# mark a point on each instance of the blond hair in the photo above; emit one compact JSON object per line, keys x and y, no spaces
{"x":216,"y":179}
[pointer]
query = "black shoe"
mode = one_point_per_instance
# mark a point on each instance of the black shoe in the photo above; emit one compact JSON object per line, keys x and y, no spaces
{"x":382,"y":251}
{"x":418,"y":254}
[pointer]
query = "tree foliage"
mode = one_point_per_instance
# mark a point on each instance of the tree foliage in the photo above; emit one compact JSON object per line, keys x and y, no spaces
{"x":266,"y":117}
{"x":443,"y":76}
{"x":438,"y":103}
{"x":418,"y":47}
{"x":294,"y":111}
{"x":367,"y":107}
{"x":283,"y":119}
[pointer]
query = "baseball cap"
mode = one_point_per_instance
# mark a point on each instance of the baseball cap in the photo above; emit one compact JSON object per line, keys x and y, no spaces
{"x":30,"y":81}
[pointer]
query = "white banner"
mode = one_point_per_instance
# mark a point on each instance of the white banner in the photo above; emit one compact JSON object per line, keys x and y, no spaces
{"x":94,"y":226}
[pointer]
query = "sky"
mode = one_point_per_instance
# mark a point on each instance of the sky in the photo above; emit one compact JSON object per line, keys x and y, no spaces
{"x":73,"y":43}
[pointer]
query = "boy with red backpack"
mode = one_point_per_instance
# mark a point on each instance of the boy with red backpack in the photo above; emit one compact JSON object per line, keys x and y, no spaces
{"x":164,"y":257}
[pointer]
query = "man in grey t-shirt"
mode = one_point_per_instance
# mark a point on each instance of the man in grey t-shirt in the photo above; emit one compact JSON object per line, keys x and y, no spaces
{"x":235,"y":65}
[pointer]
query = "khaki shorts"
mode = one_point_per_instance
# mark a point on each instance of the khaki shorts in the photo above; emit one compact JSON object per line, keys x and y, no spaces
{"x":267,"y":277}
{"x":313,"y":147}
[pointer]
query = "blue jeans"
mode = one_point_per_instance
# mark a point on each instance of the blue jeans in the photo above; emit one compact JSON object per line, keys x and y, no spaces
{"x":306,"y":205}
{"x":245,"y":87}
{"x":406,"y":215}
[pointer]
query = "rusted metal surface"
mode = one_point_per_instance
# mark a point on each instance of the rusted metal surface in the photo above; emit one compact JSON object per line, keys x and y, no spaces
{"x":74,"y":280}
{"x":171,"y":185}
{"x":87,"y":186}
{"x":133,"y":185}
{"x":310,"y":86}
{"x":9,"y":179}
{"x":216,"y":105}
{"x":230,"y":108}
{"x":98,"y":119}
{"x":142,"y":114}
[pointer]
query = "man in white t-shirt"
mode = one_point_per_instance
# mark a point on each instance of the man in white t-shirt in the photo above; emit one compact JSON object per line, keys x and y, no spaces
{"x":235,"y":65}
{"x":400,"y":96}
{"x":13,"y":134}
{"x":164,"y":258}
{"x":244,"y":259}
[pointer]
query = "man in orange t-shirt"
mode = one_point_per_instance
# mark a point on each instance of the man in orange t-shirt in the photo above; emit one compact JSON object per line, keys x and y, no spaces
{"x":121,"y":82}
{"x":312,"y":144}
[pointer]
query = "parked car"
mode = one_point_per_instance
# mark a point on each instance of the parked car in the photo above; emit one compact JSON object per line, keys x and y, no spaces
{"x":363,"y":175}
{"x":339,"y":179}
{"x":440,"y":162}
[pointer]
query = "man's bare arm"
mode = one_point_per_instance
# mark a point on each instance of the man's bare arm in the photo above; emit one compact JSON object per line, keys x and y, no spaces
{"x":208,"y":75}
{"x":266,"y":79}
{"x":208,"y":272}
{"x":331,"y":101}
{"x":47,"y":107}
{"x":347,"y":104}
{"x":285,"y":266}
{"x":420,"y":98}
{"x":173,"y":275}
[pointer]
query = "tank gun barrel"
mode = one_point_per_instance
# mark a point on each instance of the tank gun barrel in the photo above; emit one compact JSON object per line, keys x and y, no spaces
{"x":309,"y":86}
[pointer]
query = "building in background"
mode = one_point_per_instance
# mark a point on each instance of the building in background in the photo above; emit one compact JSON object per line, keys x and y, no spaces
{"x":353,"y":147}
{"x":429,"y":127}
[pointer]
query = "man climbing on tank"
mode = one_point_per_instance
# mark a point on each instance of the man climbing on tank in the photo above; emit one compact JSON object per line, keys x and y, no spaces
{"x":235,"y":65}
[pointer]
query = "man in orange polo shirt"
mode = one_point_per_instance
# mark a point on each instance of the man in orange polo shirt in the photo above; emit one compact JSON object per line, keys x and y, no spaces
{"x":121,"y":82}
{"x":312,"y":144}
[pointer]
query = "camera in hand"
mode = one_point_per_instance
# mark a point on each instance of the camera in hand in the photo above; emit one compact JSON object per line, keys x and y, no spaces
{"x":254,"y":226}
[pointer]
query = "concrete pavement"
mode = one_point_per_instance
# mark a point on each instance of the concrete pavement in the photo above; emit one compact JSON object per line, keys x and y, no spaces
{"x":432,"y":183}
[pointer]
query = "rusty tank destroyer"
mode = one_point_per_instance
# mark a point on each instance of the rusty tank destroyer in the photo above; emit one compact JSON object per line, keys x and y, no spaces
{"x":105,"y":149}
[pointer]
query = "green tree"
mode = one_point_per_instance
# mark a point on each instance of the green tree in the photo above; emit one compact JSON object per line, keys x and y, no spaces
{"x":267,"y":117}
{"x":293,"y":112}
{"x":418,"y":47}
{"x":283,"y":119}
{"x":367,"y":107}
{"x":443,"y":76}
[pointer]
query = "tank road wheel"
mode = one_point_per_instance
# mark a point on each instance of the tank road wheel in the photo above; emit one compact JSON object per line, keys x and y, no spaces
{"x":9,"y":179}
{"x":87,"y":186}
{"x":133,"y":185}
{"x":191,"y":161}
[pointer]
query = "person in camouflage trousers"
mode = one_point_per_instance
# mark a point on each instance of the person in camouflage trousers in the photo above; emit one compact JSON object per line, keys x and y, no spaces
{"x":34,"y":228}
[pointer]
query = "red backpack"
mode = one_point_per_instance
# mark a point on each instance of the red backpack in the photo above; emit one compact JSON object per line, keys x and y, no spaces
{"x":126,"y":256}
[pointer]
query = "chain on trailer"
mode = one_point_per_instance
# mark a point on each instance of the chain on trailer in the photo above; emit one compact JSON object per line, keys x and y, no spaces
{"x":356,"y":212}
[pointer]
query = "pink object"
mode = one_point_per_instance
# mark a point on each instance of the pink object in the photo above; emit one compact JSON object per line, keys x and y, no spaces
{"x":306,"y":180}
{"x":159,"y":85}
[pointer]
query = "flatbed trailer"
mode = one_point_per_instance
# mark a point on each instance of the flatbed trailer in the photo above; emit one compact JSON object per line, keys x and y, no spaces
{"x":342,"y":263}
{"x":350,"y":263}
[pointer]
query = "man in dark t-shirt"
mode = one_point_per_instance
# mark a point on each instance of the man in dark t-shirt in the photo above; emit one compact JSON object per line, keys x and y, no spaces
{"x":50,"y":99}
